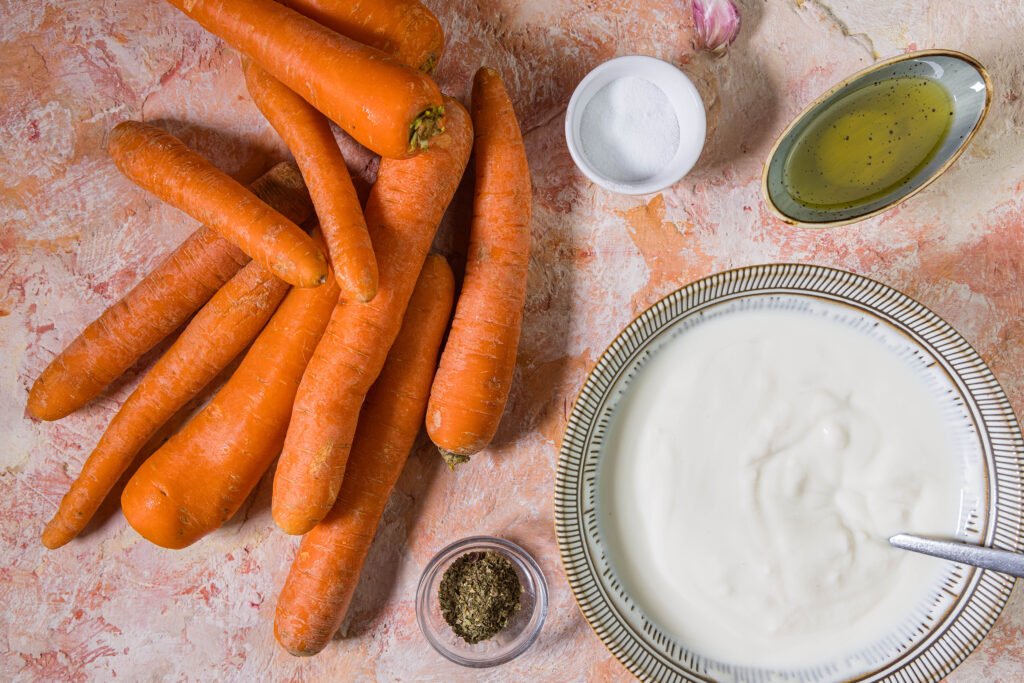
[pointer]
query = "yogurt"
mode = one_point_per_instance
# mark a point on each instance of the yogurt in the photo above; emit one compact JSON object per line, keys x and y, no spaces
{"x":755,"y":469}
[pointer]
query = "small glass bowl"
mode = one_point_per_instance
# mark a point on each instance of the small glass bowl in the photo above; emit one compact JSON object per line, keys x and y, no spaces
{"x":512,"y":641}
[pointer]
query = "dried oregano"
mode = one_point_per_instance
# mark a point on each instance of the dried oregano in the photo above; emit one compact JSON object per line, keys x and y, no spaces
{"x":479,"y":593}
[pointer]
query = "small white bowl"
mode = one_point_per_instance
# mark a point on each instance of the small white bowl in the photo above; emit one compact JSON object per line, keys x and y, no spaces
{"x":682,"y":95}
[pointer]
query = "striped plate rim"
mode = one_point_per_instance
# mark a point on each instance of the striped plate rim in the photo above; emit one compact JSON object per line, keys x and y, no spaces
{"x":652,"y":656}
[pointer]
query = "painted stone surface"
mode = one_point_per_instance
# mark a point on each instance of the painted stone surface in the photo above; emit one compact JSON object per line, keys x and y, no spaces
{"x":75,"y":236}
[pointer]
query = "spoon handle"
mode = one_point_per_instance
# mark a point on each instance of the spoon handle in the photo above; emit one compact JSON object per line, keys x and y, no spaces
{"x":1002,"y":561}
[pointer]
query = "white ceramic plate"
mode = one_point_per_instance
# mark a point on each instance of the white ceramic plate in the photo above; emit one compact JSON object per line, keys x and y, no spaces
{"x":960,"y":612}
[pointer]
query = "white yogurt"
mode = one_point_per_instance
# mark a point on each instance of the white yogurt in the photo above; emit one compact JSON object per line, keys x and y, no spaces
{"x":757,"y":466}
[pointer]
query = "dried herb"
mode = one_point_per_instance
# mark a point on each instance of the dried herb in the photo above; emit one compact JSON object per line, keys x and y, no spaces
{"x":479,"y":593}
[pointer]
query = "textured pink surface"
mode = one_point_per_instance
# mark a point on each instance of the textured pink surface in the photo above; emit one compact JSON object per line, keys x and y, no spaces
{"x":75,"y":236}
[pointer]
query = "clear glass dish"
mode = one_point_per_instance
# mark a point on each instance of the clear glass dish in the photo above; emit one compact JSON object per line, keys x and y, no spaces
{"x":523,"y":628}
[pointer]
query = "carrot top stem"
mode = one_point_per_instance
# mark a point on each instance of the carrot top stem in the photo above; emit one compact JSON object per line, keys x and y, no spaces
{"x":425,"y":126}
{"x":427,"y":67}
{"x":453,"y":459}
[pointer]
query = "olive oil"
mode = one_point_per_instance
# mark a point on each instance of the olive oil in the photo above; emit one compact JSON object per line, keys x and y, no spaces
{"x":868,"y":143}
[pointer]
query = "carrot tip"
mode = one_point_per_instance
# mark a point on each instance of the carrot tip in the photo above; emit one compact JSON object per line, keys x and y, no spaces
{"x":453,"y":459}
{"x":42,"y":406}
{"x":53,"y":539}
{"x":291,"y":526}
{"x":46,"y":413}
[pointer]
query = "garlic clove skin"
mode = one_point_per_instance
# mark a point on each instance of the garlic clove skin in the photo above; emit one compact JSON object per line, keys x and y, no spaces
{"x":717,"y":23}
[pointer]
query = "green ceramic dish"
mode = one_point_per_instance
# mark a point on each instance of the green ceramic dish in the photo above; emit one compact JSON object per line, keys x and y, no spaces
{"x":970,"y":92}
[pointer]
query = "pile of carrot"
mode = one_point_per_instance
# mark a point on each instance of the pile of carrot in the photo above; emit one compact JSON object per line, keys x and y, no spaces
{"x":326,"y":570}
{"x":334,"y":337}
{"x":404,"y":209}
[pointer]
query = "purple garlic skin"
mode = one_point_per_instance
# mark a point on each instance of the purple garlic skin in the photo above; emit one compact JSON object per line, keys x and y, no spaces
{"x":717,"y":23}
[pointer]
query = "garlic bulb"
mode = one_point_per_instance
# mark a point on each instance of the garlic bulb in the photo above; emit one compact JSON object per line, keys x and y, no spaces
{"x":717,"y":23}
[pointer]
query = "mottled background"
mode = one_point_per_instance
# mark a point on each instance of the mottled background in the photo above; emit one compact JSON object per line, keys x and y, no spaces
{"x":75,"y":236}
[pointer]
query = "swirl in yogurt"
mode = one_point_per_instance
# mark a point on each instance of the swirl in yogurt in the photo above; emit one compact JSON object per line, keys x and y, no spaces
{"x":756,"y":467}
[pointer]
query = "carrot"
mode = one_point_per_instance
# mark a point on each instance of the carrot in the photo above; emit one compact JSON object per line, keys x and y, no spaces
{"x":218,"y":333}
{"x":388,"y":107}
{"x":402,"y":28}
{"x":157,"y":306}
{"x":473,"y":380}
{"x":159,"y":162}
{"x":326,"y":569}
{"x":403,"y":211}
{"x":198,"y":479}
{"x":308,"y":135}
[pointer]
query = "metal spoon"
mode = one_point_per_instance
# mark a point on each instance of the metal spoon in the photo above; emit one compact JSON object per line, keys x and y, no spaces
{"x":1002,"y":561}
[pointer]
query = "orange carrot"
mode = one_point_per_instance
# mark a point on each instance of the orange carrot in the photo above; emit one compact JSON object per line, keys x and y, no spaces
{"x":198,"y":479}
{"x":402,"y":28}
{"x":388,"y":107}
{"x":403,"y":211}
{"x":159,"y":162}
{"x":156,"y":307}
{"x":308,"y":135}
{"x":218,"y":333}
{"x":326,"y":569}
{"x":473,"y":380}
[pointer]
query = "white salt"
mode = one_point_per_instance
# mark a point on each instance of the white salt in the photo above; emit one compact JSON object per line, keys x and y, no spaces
{"x":629,"y":130}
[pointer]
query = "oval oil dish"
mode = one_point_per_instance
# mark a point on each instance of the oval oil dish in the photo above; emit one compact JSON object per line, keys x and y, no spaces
{"x":876,"y":139}
{"x":735,"y":463}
